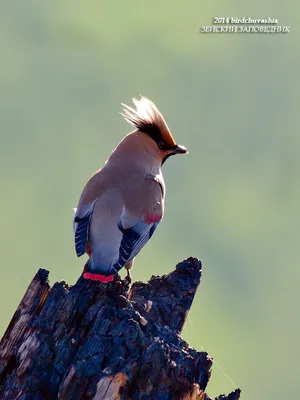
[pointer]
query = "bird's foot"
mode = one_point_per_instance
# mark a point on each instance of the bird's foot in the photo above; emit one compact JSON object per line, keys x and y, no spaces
{"x":127,"y":278}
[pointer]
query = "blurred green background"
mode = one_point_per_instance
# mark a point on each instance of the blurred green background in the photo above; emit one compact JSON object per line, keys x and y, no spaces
{"x":233,"y":100}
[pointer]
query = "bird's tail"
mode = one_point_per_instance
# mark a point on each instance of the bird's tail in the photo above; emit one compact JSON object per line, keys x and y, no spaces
{"x":89,"y":273}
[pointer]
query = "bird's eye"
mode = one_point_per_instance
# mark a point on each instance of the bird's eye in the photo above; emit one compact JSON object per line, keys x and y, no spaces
{"x":161,"y":145}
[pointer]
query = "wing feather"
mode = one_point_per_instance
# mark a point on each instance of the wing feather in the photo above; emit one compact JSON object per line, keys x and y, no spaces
{"x":133,"y":240}
{"x":81,"y":229}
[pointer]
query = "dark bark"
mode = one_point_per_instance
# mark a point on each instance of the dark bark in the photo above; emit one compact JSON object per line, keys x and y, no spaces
{"x":103,"y":341}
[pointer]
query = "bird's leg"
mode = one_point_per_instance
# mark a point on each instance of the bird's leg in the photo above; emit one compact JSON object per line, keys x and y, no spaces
{"x":128,"y":277}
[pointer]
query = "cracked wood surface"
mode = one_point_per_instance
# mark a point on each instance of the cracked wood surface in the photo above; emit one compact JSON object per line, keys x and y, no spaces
{"x":103,"y":341}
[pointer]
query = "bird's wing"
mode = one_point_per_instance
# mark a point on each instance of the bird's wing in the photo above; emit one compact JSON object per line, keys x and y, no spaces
{"x":83,"y":213}
{"x":81,"y":227}
{"x":133,"y":240}
{"x":138,"y":229}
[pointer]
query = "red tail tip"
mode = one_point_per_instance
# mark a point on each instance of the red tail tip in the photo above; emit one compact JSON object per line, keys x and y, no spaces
{"x":98,"y":277}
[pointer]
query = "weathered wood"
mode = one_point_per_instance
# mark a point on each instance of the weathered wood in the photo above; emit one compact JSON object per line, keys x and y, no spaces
{"x":103,"y":341}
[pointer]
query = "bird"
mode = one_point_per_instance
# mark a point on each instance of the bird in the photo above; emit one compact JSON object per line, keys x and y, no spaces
{"x":122,"y":203}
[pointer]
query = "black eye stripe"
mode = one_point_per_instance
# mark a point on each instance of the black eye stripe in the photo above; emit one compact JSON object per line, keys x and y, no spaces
{"x":151,"y":130}
{"x":162,"y":145}
{"x":154,"y":132}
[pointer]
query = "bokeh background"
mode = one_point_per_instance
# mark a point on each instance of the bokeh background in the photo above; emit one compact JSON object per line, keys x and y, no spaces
{"x":233,"y":100}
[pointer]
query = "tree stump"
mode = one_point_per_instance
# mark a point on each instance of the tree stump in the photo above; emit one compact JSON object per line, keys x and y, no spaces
{"x":105,"y":341}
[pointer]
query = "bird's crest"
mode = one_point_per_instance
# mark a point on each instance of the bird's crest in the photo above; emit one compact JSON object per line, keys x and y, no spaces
{"x":146,"y":118}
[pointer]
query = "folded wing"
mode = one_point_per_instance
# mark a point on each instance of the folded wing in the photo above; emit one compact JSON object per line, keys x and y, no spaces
{"x":81,"y":228}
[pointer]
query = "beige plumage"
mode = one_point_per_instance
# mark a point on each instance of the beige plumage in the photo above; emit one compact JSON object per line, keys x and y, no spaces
{"x":122,"y":203}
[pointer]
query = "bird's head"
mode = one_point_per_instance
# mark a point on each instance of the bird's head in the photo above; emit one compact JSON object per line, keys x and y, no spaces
{"x":149,"y":121}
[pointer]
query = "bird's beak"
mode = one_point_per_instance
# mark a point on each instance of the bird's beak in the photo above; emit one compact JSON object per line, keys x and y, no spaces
{"x":180,"y":149}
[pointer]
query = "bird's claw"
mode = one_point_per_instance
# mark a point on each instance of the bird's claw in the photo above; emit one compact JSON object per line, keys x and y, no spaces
{"x":127,"y":278}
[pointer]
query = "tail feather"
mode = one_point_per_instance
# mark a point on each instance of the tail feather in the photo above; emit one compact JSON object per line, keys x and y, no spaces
{"x":95,"y":276}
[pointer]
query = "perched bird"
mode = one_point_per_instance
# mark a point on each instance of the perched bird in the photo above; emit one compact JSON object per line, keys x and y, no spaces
{"x":122,"y":203}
